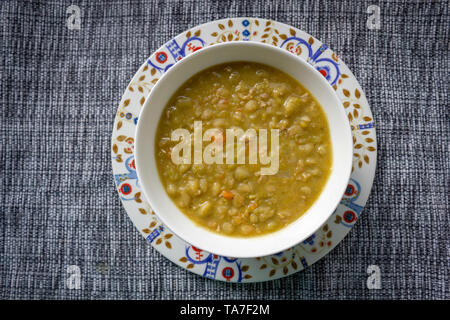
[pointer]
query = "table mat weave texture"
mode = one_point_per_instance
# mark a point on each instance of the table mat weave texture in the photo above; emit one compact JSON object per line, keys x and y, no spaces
{"x":59,"y":92}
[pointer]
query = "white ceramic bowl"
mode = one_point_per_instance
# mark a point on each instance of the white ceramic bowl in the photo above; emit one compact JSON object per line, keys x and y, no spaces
{"x":288,"y":236}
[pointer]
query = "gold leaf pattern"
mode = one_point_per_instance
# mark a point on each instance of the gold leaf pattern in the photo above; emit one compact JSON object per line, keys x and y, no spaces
{"x":142,"y":210}
{"x":334,"y":57}
{"x":183,"y":259}
{"x":115,"y":148}
{"x":366,"y":158}
{"x":355,"y":115}
{"x":126,"y":103}
{"x":147,"y":231}
{"x":137,"y":197}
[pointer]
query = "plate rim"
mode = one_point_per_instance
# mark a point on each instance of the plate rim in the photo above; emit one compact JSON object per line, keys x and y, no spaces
{"x":248,"y":277}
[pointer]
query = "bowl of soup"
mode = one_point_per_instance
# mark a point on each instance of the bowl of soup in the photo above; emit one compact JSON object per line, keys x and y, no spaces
{"x":243,"y":149}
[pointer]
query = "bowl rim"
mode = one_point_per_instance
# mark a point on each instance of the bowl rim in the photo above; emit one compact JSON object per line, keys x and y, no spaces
{"x":139,"y":129}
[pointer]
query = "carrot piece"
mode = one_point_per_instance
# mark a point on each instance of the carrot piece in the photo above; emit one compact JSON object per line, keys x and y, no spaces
{"x":227,"y":194}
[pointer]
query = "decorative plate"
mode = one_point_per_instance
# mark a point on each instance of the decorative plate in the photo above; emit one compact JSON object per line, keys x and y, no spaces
{"x":324,"y":239}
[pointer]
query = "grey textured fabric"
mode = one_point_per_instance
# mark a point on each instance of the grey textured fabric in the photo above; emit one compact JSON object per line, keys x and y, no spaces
{"x":59,"y":92}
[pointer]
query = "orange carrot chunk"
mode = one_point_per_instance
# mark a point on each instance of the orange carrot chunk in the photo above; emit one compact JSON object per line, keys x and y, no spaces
{"x":227,"y":194}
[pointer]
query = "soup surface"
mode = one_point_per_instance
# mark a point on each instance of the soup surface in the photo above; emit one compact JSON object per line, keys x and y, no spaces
{"x":236,"y":199}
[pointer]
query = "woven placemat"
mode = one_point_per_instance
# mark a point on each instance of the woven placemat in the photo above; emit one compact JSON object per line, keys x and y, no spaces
{"x":61,"y":220}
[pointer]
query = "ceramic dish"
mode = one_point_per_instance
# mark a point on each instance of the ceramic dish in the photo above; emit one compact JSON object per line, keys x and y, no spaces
{"x":293,"y":233}
{"x":325,"y":238}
